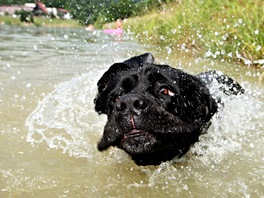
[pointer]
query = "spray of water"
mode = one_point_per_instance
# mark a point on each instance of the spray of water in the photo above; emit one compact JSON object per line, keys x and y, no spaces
{"x":65,"y":118}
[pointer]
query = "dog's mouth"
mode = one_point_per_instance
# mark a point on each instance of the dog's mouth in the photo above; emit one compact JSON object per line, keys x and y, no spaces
{"x":135,"y":133}
{"x":137,"y":141}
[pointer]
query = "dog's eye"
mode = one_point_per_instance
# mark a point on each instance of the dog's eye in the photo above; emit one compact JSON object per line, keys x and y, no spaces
{"x":116,"y":98}
{"x":166,"y":91}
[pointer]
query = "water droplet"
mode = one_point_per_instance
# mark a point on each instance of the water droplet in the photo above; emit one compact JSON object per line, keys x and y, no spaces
{"x":173,"y":31}
{"x":208,"y":54}
{"x":230,"y":54}
{"x":258,"y":48}
{"x":28,"y":85}
{"x":169,"y":50}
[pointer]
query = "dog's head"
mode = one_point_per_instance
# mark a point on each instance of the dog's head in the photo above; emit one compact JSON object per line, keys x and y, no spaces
{"x":155,"y":112}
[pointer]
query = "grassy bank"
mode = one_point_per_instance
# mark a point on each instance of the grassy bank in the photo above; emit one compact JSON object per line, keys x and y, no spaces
{"x":41,"y":21}
{"x":225,"y":30}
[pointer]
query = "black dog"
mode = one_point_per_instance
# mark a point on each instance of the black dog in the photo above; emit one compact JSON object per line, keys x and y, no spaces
{"x":156,"y":112}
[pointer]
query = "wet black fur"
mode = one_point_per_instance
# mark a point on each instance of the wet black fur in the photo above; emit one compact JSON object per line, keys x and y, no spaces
{"x":155,"y":112}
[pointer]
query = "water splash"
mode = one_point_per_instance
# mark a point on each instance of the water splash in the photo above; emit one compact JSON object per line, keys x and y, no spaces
{"x":236,"y":128}
{"x":65,"y":119}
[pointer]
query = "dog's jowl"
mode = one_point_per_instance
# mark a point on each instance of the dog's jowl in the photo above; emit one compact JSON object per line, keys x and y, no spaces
{"x":156,"y":112}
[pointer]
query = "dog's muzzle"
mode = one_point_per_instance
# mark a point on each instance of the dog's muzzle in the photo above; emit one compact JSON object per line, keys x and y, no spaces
{"x":131,"y":102}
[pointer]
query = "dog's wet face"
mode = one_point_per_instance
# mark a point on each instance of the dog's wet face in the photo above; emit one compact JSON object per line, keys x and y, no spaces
{"x":155,"y":112}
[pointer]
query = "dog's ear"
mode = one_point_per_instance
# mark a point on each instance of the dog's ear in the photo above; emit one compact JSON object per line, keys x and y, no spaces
{"x":104,"y":88}
{"x":140,"y":60}
{"x":132,"y":63}
{"x":102,"y":83}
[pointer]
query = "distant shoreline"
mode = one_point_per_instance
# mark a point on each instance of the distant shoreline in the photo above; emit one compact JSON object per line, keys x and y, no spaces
{"x":41,"y":22}
{"x":223,"y":30}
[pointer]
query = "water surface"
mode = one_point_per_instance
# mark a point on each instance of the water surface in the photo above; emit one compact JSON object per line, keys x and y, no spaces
{"x":49,"y":130}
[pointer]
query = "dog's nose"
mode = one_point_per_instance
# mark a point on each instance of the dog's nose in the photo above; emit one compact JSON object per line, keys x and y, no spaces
{"x":131,"y":102}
